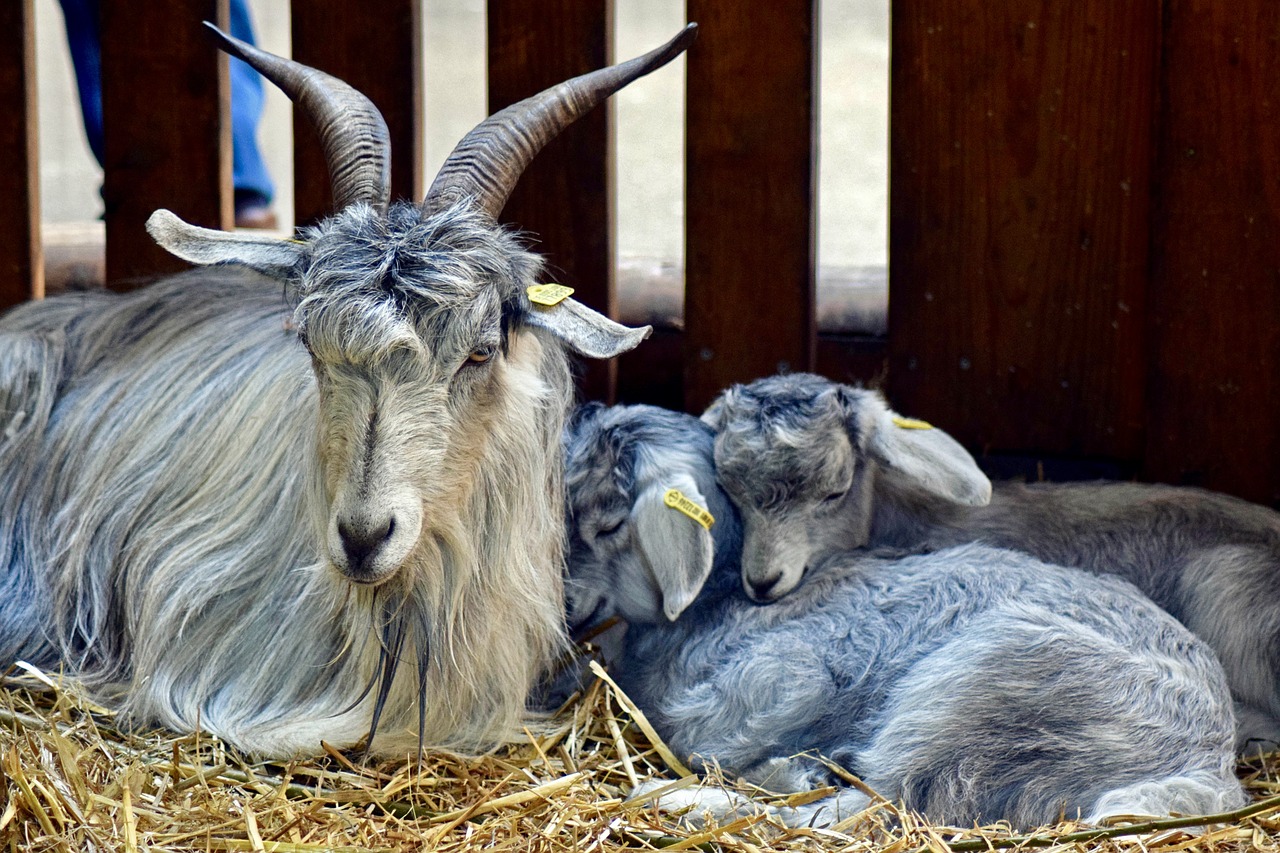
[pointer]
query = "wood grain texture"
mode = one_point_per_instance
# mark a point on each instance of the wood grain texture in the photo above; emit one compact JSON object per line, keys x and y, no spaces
{"x":374,"y":46}
{"x":1214,"y":308}
{"x":564,"y":200}
{"x":166,"y":128}
{"x":1020,"y":148}
{"x":750,"y":193}
{"x":21,"y":258}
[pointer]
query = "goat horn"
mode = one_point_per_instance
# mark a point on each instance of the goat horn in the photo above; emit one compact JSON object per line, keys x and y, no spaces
{"x":486,"y":164}
{"x":357,"y":146}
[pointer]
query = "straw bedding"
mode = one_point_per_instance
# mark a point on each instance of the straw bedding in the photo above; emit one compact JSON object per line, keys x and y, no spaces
{"x":73,"y":781}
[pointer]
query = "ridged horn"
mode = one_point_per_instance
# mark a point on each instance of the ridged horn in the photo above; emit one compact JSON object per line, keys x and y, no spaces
{"x":357,"y":146}
{"x":489,"y":160}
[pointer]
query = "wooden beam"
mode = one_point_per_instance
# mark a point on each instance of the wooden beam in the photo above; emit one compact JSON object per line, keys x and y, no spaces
{"x":376,"y":47}
{"x":1214,"y":378}
{"x":749,"y":193}
{"x":565,"y":198}
{"x":1020,"y":149}
{"x":166,"y":128}
{"x":21,"y":257}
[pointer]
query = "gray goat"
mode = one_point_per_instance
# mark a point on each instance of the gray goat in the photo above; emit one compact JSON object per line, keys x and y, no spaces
{"x":974,"y":683}
{"x":816,"y":466}
{"x":242,"y":498}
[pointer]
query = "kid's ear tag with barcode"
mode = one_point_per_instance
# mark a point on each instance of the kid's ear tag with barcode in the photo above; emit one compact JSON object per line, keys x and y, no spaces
{"x":675,"y":499}
{"x":548,"y":294}
{"x":910,"y":423}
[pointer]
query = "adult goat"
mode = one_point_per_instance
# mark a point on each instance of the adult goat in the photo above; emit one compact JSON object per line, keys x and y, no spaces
{"x":209,"y":532}
{"x":816,"y":466}
{"x":973,"y":683}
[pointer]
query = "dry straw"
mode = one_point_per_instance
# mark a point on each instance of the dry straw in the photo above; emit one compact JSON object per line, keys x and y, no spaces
{"x":72,"y":781}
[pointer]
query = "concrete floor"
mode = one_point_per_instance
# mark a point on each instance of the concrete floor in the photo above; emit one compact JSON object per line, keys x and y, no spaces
{"x":853,"y":164}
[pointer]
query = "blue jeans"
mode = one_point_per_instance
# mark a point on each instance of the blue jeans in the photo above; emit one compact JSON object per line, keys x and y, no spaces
{"x":248,"y":170}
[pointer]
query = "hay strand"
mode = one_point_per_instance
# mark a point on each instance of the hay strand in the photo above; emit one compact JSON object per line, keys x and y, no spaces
{"x":73,"y":781}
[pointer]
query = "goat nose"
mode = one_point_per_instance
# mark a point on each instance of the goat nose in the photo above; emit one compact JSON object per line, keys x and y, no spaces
{"x":362,"y":539}
{"x":759,"y":590}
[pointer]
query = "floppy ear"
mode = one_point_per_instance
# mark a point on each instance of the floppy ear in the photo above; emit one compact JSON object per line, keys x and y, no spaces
{"x":678,"y":548}
{"x":919,"y":456}
{"x":714,"y":414}
{"x":585,"y":331}
{"x":268,"y":255}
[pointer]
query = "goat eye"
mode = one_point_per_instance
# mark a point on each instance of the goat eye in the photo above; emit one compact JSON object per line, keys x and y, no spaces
{"x":834,"y":497}
{"x":481,"y":355}
{"x":611,"y":528}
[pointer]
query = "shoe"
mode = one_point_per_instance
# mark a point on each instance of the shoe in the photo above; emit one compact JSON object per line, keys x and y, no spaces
{"x":254,"y":211}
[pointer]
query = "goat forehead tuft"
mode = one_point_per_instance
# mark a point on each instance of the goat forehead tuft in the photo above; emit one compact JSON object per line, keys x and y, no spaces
{"x":767,"y":461}
{"x":620,"y":444}
{"x":455,"y":271}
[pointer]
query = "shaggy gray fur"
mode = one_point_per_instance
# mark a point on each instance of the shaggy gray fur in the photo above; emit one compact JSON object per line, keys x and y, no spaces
{"x":1211,"y":560}
{"x":976,"y":684}
{"x":180,"y":490}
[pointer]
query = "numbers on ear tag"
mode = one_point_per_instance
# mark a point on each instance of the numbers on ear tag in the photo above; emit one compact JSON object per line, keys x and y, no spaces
{"x":675,"y":499}
{"x":548,"y":294}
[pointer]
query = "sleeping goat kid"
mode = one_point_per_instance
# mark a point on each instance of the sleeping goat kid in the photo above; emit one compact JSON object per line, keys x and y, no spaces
{"x":316,"y":494}
{"x":815,"y":466}
{"x":975,"y":684}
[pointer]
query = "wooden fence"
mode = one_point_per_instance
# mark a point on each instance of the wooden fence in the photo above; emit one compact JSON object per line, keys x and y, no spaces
{"x":1083,"y":235}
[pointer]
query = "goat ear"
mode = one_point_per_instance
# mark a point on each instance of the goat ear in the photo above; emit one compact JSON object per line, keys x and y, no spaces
{"x":922,"y":457}
{"x":585,"y":331}
{"x":268,"y":255}
{"x":714,"y":414}
{"x":678,"y":549}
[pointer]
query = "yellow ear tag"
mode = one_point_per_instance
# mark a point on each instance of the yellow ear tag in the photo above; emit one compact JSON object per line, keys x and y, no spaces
{"x":910,"y":423}
{"x":675,"y":499}
{"x":548,"y":294}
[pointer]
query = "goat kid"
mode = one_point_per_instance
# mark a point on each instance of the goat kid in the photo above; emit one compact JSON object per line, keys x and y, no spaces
{"x":227,"y":508}
{"x":975,"y":684}
{"x":816,"y":466}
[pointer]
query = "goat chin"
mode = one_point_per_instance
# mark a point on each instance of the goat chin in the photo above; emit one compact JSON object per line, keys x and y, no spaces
{"x":177,"y":573}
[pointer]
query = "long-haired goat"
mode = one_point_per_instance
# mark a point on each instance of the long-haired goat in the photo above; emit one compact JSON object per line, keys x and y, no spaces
{"x":974,"y":683}
{"x":324,"y":516}
{"x":816,"y":466}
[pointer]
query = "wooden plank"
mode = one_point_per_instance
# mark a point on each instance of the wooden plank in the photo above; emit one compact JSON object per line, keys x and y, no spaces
{"x":166,"y":128}
{"x":376,"y":47}
{"x":750,"y":193}
{"x":653,"y":374}
{"x":565,"y":197}
{"x":1020,"y":143}
{"x":21,"y":260}
{"x":1214,"y":406}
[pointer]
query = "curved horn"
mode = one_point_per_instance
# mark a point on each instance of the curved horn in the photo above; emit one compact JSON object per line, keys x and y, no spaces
{"x":490,"y":159}
{"x":357,"y":146}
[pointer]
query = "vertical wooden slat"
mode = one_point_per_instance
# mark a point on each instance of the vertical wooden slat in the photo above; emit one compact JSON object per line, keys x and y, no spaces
{"x":1215,"y":290}
{"x":750,"y":193}
{"x":565,"y":198}
{"x":374,"y":46}
{"x":21,"y":257}
{"x":166,"y":128}
{"x":1020,"y":143}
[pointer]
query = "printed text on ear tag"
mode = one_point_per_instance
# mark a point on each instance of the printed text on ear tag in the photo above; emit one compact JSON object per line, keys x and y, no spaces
{"x":910,"y":423}
{"x":548,"y":294}
{"x":675,"y":499}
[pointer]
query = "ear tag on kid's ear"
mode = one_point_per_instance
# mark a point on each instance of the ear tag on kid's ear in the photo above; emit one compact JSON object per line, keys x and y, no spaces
{"x":675,"y":499}
{"x":910,"y":423}
{"x":548,"y":294}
